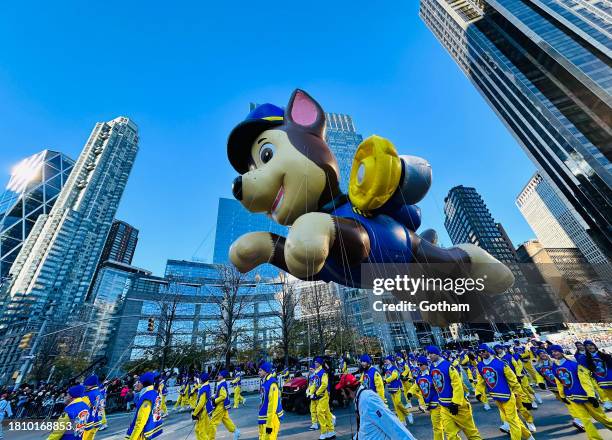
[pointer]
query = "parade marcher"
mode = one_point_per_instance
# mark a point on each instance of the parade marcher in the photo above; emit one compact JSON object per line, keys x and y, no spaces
{"x":147,"y":422}
{"x":405,"y":376}
{"x":546,"y":380}
{"x":394,"y":387}
{"x":310,"y":394}
{"x":162,"y":389}
{"x":522,"y":375}
{"x":371,"y":378}
{"x":221,"y":403}
{"x":580,"y":353}
{"x":203,"y":410}
{"x":456,"y":410}
{"x":71,"y":424}
{"x":237,"y":383}
{"x":374,"y":420}
{"x":92,"y":393}
{"x":321,"y":395}
{"x":503,"y":386}
{"x":103,"y":392}
{"x":424,"y":386}
{"x":193,"y":393}
{"x":600,"y":365}
{"x":183,"y":399}
{"x":270,"y":408}
{"x":5,"y":411}
{"x":575,"y":385}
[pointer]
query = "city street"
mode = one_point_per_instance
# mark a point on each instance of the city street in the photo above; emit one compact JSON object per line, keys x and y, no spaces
{"x":551,"y":419}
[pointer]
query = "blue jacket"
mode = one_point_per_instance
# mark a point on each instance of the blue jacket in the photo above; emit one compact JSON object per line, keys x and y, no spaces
{"x":78,"y":413}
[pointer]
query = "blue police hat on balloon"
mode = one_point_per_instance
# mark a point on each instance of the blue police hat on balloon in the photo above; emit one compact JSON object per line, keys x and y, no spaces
{"x":76,"y":391}
{"x":91,"y":381}
{"x":261,"y":118}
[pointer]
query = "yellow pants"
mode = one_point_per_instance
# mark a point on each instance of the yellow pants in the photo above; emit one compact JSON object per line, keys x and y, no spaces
{"x":220,"y":415}
{"x":202,"y":427}
{"x":164,"y":407}
{"x":104,"y":417}
{"x":238,"y":399}
{"x":313,"y":411}
{"x":89,"y":435}
{"x":524,"y":381}
{"x":586,"y":412}
{"x":508,"y":413}
{"x":436,"y":423}
{"x":481,"y":392}
{"x":523,"y":412}
{"x":400,"y":410}
{"x":275,"y":425}
{"x":324,"y":414}
{"x":463,"y":421}
{"x":605,"y":394}
{"x":406,"y":385}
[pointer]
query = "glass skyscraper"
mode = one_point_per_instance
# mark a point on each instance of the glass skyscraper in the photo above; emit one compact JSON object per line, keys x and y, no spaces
{"x":343,"y":140}
{"x":33,"y":188}
{"x":52,"y":274}
{"x":545,"y":68}
{"x":121,"y":243}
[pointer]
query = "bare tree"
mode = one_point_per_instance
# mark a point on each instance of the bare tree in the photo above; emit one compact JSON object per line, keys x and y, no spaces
{"x":234,"y":298}
{"x":322,"y":311}
{"x":284,"y":305}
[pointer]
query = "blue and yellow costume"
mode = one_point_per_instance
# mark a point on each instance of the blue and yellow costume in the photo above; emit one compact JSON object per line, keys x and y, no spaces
{"x":310,"y":394}
{"x":147,"y":423}
{"x":237,"y":383}
{"x":71,"y":424}
{"x":93,"y":394}
{"x":204,"y":408}
{"x":423,"y":386}
{"x":270,"y":408}
{"x":321,"y":395}
{"x":221,"y":403}
{"x":371,"y":378}
{"x":394,"y":386}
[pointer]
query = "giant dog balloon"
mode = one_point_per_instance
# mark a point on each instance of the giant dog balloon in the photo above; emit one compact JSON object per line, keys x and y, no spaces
{"x":288,"y":171}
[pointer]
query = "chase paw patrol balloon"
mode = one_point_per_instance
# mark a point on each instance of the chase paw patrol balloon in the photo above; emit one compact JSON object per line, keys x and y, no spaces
{"x":288,"y":171}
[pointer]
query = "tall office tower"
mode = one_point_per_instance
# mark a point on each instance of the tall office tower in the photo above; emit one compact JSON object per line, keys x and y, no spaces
{"x":556,"y":224}
{"x":468,"y":220}
{"x":545,"y":67}
{"x":121,"y":243}
{"x":343,"y":140}
{"x":33,"y":188}
{"x":55,"y":267}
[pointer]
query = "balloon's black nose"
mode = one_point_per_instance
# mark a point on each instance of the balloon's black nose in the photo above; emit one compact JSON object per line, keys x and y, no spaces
{"x":237,"y":188}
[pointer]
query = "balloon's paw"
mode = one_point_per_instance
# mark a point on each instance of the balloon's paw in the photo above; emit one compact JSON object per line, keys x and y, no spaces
{"x":497,"y":277}
{"x":251,"y":250}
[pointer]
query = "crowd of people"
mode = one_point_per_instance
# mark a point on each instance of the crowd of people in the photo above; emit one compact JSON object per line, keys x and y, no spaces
{"x":441,"y":384}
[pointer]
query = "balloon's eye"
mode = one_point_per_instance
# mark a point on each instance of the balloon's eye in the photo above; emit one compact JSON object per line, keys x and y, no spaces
{"x":266,"y":152}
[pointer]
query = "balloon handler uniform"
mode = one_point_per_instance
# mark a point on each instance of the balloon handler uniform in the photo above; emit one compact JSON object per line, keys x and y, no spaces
{"x":602,"y":374}
{"x":147,"y":422}
{"x":423,"y":386}
{"x":394,"y":386}
{"x":163,"y":390}
{"x":204,"y":408}
{"x":545,"y":379}
{"x":270,"y":408}
{"x":503,"y":386}
{"x":71,"y":424}
{"x":524,"y":401}
{"x":182,"y":398}
{"x":310,"y":394}
{"x":455,"y":410}
{"x":193,"y":394}
{"x":220,"y":412}
{"x":332,"y":233}
{"x":574,"y":385}
{"x":371,"y":378}
{"x":93,"y":394}
{"x":321,"y":395}
{"x":237,"y":382}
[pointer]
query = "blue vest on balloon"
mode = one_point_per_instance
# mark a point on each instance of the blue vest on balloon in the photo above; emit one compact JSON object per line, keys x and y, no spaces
{"x":440,"y":376}
{"x":546,"y":370}
{"x":369,"y":381}
{"x":226,"y":402}
{"x":389,"y":239}
{"x":264,"y":392}
{"x":494,"y":377}
{"x":567,"y":373}
{"x":78,"y":413}
{"x":602,"y":374}
{"x":205,"y":389}
{"x":95,"y":410}
{"x":153,"y":426}
{"x":430,"y":395}
{"x":396,"y":384}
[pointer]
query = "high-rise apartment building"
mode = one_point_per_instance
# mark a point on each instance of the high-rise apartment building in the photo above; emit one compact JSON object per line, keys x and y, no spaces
{"x":545,"y":67}
{"x":32,"y":189}
{"x":52,"y":274}
{"x":121,"y":243}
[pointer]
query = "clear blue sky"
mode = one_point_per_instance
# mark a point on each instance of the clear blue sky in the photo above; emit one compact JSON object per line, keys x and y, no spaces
{"x":186,"y":71}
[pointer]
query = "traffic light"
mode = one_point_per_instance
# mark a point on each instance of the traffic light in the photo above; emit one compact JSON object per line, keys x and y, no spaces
{"x":25,"y":341}
{"x":151,"y":325}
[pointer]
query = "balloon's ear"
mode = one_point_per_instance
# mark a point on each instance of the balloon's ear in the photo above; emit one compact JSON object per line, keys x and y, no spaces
{"x":306,"y":113}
